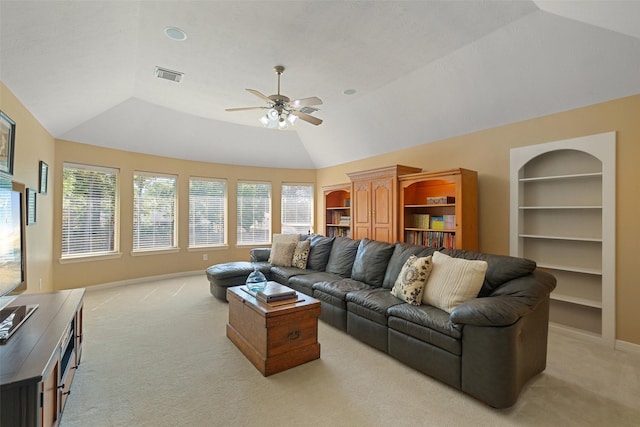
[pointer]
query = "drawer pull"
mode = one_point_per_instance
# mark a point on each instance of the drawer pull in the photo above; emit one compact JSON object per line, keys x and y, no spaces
{"x":294,"y":335}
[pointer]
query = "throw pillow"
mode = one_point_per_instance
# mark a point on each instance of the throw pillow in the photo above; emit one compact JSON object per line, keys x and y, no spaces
{"x":282,"y":254}
{"x":282,"y":238}
{"x":453,"y":281}
{"x":410,"y":283}
{"x":301,"y":254}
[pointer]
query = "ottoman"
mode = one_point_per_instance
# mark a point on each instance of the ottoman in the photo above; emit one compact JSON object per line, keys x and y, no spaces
{"x":227,"y":274}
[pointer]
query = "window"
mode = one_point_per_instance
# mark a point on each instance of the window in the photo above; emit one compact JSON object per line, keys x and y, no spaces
{"x":154,"y":211}
{"x":254,"y":213}
{"x":207,"y":212}
{"x":297,"y":208}
{"x":89,"y":210}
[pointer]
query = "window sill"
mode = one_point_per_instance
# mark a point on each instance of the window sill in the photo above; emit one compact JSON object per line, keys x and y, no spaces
{"x":88,"y":258}
{"x":146,"y":252}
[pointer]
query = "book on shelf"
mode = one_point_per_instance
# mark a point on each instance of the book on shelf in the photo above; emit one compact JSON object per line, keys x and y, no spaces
{"x":441,"y":200}
{"x":338,"y":232}
{"x":437,"y":222}
{"x":420,"y":221}
{"x":431,"y":239}
{"x":443,"y":222}
{"x":344,"y":220}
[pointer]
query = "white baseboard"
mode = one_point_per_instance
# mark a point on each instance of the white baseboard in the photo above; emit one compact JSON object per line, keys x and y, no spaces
{"x":593,"y":338}
{"x":575,"y":333}
{"x":627,"y":346}
{"x":143,"y":279}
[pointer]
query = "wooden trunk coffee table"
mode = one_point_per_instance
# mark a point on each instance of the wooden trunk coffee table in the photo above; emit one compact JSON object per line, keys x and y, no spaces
{"x":273,"y":336}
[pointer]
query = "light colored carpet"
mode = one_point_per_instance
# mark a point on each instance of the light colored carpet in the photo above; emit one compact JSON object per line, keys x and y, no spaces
{"x":156,"y":354}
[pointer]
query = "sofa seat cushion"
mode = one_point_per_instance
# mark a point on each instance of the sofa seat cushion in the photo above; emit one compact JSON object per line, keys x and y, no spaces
{"x":283,"y":274}
{"x":428,"y":324}
{"x":337,"y":289}
{"x":235,"y":269}
{"x":372,"y":304}
{"x":305,"y":282}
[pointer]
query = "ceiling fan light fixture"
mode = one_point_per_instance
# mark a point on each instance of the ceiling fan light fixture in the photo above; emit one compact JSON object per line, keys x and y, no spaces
{"x":272,"y":114}
{"x":292,"y":119}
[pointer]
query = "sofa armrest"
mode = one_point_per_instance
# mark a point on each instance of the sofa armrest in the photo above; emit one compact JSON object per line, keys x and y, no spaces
{"x":508,"y":303}
{"x":260,"y":254}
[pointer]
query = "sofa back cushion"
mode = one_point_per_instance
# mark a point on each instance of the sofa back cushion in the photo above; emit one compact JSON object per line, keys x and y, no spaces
{"x":319,"y":251}
{"x":501,"y":268}
{"x":342,"y":256}
{"x":401,"y":253}
{"x":371,"y":261}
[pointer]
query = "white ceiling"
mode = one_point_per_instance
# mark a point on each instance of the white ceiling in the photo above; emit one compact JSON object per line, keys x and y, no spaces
{"x":423,"y":71}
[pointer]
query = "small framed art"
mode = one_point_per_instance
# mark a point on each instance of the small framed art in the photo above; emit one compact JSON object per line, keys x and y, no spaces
{"x":7,"y":143}
{"x":31,"y":206}
{"x":44,"y":177}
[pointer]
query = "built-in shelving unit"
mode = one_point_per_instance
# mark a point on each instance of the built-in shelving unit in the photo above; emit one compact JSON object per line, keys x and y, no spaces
{"x":337,"y":210}
{"x":375,"y":202}
{"x":563,"y":217}
{"x":440,"y":209}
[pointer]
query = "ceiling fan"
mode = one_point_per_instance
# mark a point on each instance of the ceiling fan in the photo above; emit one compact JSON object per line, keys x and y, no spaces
{"x":282,"y":111}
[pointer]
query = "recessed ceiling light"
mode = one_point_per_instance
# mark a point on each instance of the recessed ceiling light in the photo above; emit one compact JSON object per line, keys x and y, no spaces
{"x":175,"y":34}
{"x":349,"y":91}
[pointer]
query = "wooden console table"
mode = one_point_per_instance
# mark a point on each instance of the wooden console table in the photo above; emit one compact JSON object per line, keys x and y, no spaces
{"x":38,"y":362}
{"x":276,"y":336}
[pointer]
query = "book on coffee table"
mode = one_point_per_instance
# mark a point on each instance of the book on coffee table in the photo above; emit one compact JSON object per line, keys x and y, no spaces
{"x":275,"y":292}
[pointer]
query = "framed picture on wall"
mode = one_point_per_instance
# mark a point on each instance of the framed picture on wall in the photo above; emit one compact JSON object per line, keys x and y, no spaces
{"x":31,"y":206}
{"x":44,"y":177}
{"x":7,"y":141}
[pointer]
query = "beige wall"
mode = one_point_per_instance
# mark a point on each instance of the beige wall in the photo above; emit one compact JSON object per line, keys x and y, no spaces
{"x":33,"y":144}
{"x":128,"y":266}
{"x":487,"y":152}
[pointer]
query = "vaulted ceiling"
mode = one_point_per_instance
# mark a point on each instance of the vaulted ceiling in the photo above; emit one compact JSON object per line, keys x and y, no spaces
{"x":421,"y":70}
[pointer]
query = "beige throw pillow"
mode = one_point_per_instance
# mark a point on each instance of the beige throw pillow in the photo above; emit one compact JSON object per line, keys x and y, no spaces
{"x":453,"y":281}
{"x":409,"y":285}
{"x":301,"y":254}
{"x":282,"y":254}
{"x":282,"y":239}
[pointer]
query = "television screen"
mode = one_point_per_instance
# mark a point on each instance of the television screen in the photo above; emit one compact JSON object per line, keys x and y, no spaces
{"x":11,"y":253}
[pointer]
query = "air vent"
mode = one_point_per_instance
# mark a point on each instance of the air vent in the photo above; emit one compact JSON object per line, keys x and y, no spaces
{"x":174,"y":76}
{"x":308,"y":110}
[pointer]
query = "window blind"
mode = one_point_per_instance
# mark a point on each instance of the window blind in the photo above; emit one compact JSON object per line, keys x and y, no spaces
{"x":154,"y":211}
{"x":89,"y":210}
{"x":254,"y":213}
{"x":297,"y":208}
{"x":207,"y":212}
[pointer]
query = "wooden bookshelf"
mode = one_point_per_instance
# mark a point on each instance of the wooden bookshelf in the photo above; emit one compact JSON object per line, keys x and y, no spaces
{"x":440,"y":209}
{"x":337,"y":210}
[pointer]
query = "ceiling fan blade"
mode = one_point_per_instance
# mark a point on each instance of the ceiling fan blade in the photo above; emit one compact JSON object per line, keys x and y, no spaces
{"x":245,"y":108}
{"x":307,"y":118}
{"x":260,"y":95}
{"x":305,"y":102}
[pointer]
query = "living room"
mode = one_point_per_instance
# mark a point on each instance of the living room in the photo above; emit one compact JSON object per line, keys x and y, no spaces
{"x":485,"y":150}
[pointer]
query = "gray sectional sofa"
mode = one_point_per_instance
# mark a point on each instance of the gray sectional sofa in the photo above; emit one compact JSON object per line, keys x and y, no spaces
{"x":488,"y":347}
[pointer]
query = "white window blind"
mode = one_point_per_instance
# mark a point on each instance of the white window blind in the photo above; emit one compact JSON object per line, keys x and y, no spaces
{"x":154,"y":211}
{"x":89,"y":210}
{"x":254,"y":213}
{"x":297,"y":208}
{"x":207,"y":212}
